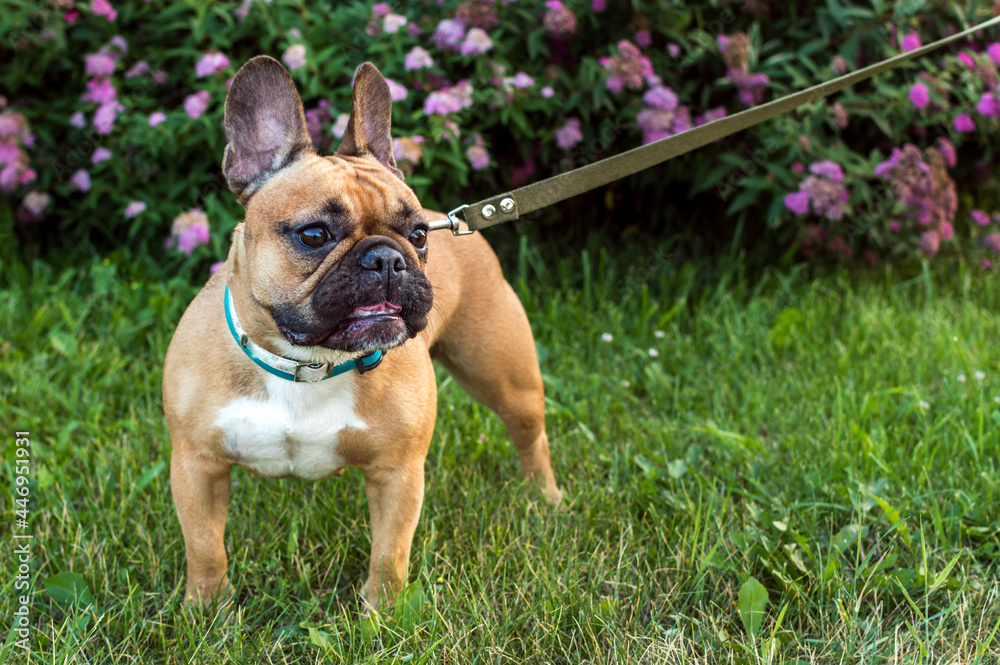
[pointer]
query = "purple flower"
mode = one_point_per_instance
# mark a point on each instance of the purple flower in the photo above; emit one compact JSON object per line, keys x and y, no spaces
{"x":294,"y":56}
{"x":156,"y":118}
{"x":381,"y":9}
{"x":548,"y":92}
{"x":988,"y":105}
{"x":100,"y":64}
{"x":192,"y":237}
{"x":449,"y":100}
{"x":673,"y":49}
{"x":397,"y":91}
{"x":449,"y":34}
{"x":119,"y":43}
{"x":478,"y":157}
{"x":598,"y":5}
{"x":104,"y":117}
{"x":947,"y":151}
{"x":828,"y":197}
{"x":559,"y":19}
{"x":188,"y":231}
{"x":828,"y":169}
{"x":894,"y":226}
{"x":569,"y":135}
{"x":393,"y":22}
{"x":80,"y":180}
{"x":980,"y":217}
{"x":476,"y":42}
{"x":643,"y":38}
{"x":195,"y":104}
{"x":418,"y":58}
{"x":798,"y":202}
{"x":930,"y":241}
{"x":993,"y":51}
{"x":99,"y":91}
{"x":215,"y":267}
{"x":661,"y":98}
{"x":522,"y":80}
{"x":140,"y":68}
{"x":919,"y":95}
{"x":101,"y":154}
{"x":134,"y":208}
{"x":992,"y":242}
{"x":947,"y":231}
{"x":711,"y":115}
{"x":964,"y":124}
{"x":967,"y":60}
{"x":77,"y":120}
{"x":104,"y":8}
{"x":911,"y":41}
{"x":210,"y":63}
{"x":751,"y":86}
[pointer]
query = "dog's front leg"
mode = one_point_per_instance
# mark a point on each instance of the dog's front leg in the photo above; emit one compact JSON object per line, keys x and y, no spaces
{"x":394,"y":499}
{"x":200,"y":485}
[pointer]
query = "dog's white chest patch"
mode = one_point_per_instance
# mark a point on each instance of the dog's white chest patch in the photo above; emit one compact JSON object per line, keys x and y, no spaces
{"x":293,"y":430}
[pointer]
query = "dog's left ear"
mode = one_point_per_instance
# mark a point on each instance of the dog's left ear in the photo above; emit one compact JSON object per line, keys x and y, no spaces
{"x":368,"y":129}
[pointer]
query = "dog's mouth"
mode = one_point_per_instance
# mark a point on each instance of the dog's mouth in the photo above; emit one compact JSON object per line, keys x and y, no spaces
{"x":367,"y":327}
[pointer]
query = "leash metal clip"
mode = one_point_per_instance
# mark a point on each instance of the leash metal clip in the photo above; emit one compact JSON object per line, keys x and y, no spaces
{"x":451,"y":223}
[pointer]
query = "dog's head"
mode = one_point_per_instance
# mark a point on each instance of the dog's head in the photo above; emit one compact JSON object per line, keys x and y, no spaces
{"x":332,"y":251}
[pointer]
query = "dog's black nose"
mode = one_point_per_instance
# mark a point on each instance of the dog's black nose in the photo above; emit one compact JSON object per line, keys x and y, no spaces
{"x":384,"y":260}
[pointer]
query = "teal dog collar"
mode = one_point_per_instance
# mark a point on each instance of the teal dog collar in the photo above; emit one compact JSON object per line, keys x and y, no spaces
{"x":286,"y":368}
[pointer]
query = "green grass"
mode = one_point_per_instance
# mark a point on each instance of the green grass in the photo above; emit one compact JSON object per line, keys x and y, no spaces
{"x":813,"y":435}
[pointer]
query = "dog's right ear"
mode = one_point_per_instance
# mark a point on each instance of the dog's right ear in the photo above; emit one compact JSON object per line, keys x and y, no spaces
{"x":265,"y":125}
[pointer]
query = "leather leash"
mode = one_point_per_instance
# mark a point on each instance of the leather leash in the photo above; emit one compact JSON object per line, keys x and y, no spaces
{"x":509,"y":206}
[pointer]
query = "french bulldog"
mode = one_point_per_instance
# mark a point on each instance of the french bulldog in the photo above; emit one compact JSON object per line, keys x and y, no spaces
{"x":310,"y":350}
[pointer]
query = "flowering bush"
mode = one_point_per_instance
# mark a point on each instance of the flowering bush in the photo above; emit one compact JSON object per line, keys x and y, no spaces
{"x":111,"y":114}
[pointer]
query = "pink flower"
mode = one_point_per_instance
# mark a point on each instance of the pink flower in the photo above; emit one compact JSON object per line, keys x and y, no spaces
{"x":449,"y":100}
{"x":980,"y":217}
{"x":156,"y":118}
{"x":80,"y":180}
{"x":661,"y":98}
{"x":930,"y":241}
{"x":947,"y":151}
{"x":478,"y":157}
{"x":397,"y":91}
{"x":988,"y":105}
{"x":894,"y":226}
{"x":101,"y":154}
{"x":643,"y":38}
{"x":393,"y":22}
{"x":839,"y":65}
{"x":195,"y":104}
{"x":911,"y":42}
{"x":674,"y":50}
{"x":993,"y":51}
{"x":71,"y":17}
{"x":476,"y":42}
{"x":967,"y":59}
{"x":947,"y":231}
{"x":449,"y":34}
{"x":381,"y":9}
{"x":215,"y":267}
{"x":294,"y":56}
{"x":134,"y":208}
{"x":964,"y":124}
{"x":522,"y":80}
{"x":140,"y":68}
{"x":828,"y":169}
{"x":77,"y":120}
{"x":986,"y":264}
{"x":629,"y":68}
{"x":559,"y":19}
{"x":547,"y":92}
{"x":418,"y":58}
{"x":104,"y":117}
{"x":569,"y":135}
{"x":798,"y":202}
{"x":210,"y":63}
{"x":599,"y":5}
{"x":188,"y":231}
{"x":100,"y":64}
{"x":798,"y":167}
{"x":104,"y":8}
{"x":992,"y":242}
{"x":99,"y":91}
{"x":35,"y":203}
{"x":919,"y":95}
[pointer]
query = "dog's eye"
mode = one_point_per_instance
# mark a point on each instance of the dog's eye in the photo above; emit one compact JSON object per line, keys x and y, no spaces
{"x":419,"y":238}
{"x":314,"y":236}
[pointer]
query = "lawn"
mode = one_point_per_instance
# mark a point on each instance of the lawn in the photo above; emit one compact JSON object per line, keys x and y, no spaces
{"x":825,"y":444}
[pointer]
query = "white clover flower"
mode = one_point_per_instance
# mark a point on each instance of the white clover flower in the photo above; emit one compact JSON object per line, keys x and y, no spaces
{"x":659,"y":334}
{"x":961,"y":378}
{"x":653,"y":353}
{"x":607,"y":337}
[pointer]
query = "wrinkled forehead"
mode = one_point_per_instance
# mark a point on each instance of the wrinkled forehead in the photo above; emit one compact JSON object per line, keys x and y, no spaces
{"x":358,"y":187}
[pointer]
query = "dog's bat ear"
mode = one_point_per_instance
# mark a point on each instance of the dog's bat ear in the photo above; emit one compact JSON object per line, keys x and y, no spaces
{"x":265,"y":125}
{"x":368,"y":129}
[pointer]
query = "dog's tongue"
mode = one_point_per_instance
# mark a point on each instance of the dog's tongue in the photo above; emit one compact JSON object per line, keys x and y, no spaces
{"x":381,"y":308}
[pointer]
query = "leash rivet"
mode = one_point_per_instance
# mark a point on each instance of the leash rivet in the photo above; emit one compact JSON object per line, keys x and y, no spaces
{"x":488,"y":211}
{"x":507,"y":204}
